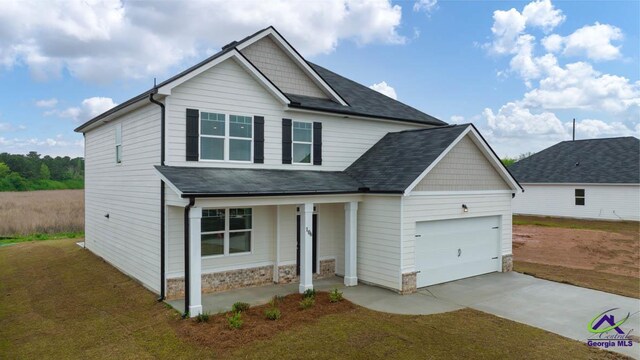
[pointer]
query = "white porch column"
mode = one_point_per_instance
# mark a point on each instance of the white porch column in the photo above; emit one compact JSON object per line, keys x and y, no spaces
{"x":276,"y":266}
{"x":306,"y":247}
{"x":350,"y":243}
{"x":195,"y":262}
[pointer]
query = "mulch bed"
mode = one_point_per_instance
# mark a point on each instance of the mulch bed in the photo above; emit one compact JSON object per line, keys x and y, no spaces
{"x":217,"y":335}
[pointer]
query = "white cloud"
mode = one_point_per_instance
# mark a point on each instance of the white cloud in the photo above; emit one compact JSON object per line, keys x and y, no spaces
{"x":47,"y":103}
{"x":456,"y":119}
{"x":594,"y":41}
{"x":58,"y":146}
{"x":89,"y":108}
{"x":425,"y":5}
{"x":507,"y":26}
{"x":553,"y":43}
{"x":6,"y":127}
{"x":385,"y":89}
{"x":542,"y":14}
{"x":591,"y":128}
{"x":103,"y":40}
{"x":514,"y":120}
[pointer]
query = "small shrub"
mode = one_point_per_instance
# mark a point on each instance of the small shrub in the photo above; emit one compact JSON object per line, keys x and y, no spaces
{"x":309,"y":293}
{"x":272,"y":313}
{"x":275,"y":300}
{"x":204,"y":317}
{"x":335,"y":295}
{"x":235,"y":320}
{"x":240,"y":307}
{"x":307,"y":302}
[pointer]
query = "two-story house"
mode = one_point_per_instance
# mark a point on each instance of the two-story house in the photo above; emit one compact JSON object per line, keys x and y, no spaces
{"x":256,"y":166}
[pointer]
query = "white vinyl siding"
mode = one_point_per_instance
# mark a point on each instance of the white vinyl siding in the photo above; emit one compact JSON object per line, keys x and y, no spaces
{"x":128,"y":192}
{"x":606,"y":202}
{"x":378,"y":250}
{"x":229,"y":89}
{"x":417,"y":208}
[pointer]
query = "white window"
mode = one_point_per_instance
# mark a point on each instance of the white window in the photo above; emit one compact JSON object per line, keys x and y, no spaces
{"x":226,"y":138}
{"x":118,"y":143}
{"x":302,"y":142}
{"x":226,"y":231}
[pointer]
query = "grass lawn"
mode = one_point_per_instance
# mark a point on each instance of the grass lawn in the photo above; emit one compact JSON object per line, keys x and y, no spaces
{"x":60,"y":301}
{"x":616,"y":226}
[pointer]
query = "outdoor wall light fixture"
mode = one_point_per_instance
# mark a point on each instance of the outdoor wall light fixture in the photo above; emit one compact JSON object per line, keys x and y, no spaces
{"x":465,"y":208}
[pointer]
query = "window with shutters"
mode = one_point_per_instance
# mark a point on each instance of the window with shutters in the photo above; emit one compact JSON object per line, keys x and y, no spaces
{"x":226,"y":137}
{"x":118,"y":143}
{"x":302,"y":142}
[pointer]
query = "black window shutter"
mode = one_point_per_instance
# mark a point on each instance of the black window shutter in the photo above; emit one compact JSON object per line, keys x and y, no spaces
{"x":317,"y":143}
{"x":286,"y":141}
{"x":258,"y":139}
{"x":193,"y":122}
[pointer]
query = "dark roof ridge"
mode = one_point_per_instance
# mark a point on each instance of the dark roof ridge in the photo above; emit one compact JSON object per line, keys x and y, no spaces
{"x":432,"y":128}
{"x":593,"y":139}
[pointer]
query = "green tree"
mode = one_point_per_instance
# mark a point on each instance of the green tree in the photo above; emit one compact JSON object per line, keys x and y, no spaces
{"x":45,"y":174}
{"x":4,"y":170}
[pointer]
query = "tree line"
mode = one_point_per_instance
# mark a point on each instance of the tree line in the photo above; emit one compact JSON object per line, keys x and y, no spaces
{"x":33,"y":172}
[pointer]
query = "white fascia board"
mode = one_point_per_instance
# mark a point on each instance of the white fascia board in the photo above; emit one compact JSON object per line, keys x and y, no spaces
{"x":242,"y":61}
{"x":293,"y":54}
{"x":578,"y":184}
{"x":484,"y":148}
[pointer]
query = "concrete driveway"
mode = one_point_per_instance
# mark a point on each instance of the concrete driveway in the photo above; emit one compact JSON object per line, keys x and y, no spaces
{"x":559,"y":308}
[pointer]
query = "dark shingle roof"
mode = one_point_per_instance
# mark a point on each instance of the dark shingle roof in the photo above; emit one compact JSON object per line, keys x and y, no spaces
{"x":399,"y":158}
{"x":604,"y":161}
{"x":362,"y":101}
{"x":198,"y":181}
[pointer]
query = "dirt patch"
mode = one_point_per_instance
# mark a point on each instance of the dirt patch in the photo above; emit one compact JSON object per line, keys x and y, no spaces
{"x":218,"y":336}
{"x":606,"y":251}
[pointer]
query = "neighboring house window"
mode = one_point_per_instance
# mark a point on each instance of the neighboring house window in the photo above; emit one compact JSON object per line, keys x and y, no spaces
{"x":302,"y":142}
{"x":222,"y":140}
{"x":579,"y":196}
{"x":118,"y":143}
{"x":226,"y":231}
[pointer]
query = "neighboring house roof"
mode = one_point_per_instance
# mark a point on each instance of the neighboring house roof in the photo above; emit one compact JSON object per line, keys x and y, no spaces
{"x":595,"y":161}
{"x":361,"y":100}
{"x":212,"y":182}
{"x":393,"y":165}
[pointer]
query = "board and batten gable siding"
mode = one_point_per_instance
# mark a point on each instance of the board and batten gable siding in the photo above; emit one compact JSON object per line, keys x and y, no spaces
{"x":378,"y":244}
{"x":606,"y":202}
{"x":416,"y":208}
{"x":228,"y":88}
{"x":464,"y":168}
{"x":129,"y":192}
{"x":272,"y":61}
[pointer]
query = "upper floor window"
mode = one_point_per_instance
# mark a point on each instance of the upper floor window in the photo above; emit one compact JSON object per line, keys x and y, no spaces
{"x":302,"y":142}
{"x":226,"y":138}
{"x":118,"y":143}
{"x":579,"y":194}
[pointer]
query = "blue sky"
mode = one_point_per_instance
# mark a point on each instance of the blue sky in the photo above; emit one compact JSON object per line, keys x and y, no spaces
{"x":520,"y":71}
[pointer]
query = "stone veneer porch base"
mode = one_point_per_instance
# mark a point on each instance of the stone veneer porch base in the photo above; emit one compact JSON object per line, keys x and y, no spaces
{"x":241,"y":278}
{"x":507,"y":263}
{"x":409,"y":283}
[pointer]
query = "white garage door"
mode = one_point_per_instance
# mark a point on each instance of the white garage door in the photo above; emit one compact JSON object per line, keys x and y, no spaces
{"x":453,"y":249}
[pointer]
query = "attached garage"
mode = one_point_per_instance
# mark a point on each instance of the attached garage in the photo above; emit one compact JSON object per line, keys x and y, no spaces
{"x":453,"y":249}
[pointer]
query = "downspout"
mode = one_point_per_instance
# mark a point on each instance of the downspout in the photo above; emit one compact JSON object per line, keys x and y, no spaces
{"x":162,"y":199}
{"x":192,"y":201}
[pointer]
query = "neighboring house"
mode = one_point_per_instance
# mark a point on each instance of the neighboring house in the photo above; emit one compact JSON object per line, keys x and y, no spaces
{"x":592,"y":179}
{"x":256,"y":167}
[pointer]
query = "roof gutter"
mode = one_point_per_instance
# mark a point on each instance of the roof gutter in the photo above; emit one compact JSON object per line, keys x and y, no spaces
{"x":187,"y":263}
{"x":298,"y":193}
{"x":162,"y":196}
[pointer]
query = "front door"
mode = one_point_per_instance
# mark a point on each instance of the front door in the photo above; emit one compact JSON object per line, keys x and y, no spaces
{"x":314,"y":247}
